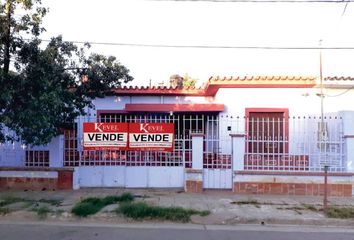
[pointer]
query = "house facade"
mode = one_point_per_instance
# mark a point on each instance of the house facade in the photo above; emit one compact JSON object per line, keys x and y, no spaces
{"x":261,"y":135}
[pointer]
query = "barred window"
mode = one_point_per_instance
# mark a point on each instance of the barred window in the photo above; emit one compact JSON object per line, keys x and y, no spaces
{"x":37,"y":158}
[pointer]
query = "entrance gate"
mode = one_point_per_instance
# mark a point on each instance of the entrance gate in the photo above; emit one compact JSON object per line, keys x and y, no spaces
{"x":132,"y":169}
{"x":217,"y":160}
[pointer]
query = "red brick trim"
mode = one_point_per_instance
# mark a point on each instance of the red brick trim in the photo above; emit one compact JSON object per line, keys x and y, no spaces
{"x":309,"y":189}
{"x":338,"y":174}
{"x":193,"y":186}
{"x":26,"y":183}
{"x":191,"y":170}
{"x":65,"y":180}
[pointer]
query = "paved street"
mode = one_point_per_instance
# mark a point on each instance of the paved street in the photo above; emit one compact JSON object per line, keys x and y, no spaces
{"x":43,"y":231}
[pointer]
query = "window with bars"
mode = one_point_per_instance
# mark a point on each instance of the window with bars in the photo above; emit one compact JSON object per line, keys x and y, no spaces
{"x":266,"y":139}
{"x":37,"y":158}
{"x":71,"y":152}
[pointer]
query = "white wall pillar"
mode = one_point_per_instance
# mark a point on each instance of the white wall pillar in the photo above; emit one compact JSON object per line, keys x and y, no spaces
{"x":197,"y":150}
{"x":348,"y":132}
{"x":194,"y":176}
{"x":238,"y":151}
{"x":56,"y":152}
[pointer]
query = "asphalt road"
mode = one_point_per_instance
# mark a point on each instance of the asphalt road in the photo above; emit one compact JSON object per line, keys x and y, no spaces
{"x":43,"y":231}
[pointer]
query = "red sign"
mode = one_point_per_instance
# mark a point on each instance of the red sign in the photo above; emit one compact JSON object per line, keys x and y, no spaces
{"x":105,"y":136}
{"x":151,"y":136}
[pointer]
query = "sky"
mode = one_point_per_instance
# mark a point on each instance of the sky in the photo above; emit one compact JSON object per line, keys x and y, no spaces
{"x":209,"y":23}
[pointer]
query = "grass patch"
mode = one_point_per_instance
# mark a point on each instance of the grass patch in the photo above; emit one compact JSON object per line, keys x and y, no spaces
{"x":248,"y":202}
{"x":4,"y":211}
{"x":340,"y":212}
{"x":93,"y":205}
{"x":295,"y":209}
{"x":53,"y":202}
{"x":139,"y":211}
{"x":10,"y":200}
{"x":42,"y":212}
{"x":244,"y":202}
{"x":309,"y":207}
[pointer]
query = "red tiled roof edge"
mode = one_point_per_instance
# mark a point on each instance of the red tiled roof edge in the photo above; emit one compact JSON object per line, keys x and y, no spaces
{"x":215,"y":83}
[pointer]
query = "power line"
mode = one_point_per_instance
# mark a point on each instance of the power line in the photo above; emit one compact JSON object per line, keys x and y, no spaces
{"x":345,"y":8}
{"x":209,"y":46}
{"x":340,"y":94}
{"x":260,"y":1}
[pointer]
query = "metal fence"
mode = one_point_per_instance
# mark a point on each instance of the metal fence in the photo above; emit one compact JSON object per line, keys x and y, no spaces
{"x":217,"y":143}
{"x":271,"y":144}
{"x":281,"y":144}
{"x":184,"y":125}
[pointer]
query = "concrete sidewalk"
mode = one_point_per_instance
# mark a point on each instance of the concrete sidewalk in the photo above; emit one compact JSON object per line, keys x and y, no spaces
{"x":226,"y":208}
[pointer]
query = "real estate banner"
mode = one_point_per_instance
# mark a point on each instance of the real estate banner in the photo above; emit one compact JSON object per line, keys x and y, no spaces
{"x":151,"y":136}
{"x":105,"y":136}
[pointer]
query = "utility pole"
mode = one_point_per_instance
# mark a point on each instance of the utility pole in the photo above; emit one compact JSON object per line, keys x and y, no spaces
{"x":323,"y":136}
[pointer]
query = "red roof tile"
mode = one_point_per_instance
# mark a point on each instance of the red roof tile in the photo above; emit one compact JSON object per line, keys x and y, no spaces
{"x":159,"y":91}
{"x":336,"y":78}
{"x":215,"y":83}
{"x":264,"y":80}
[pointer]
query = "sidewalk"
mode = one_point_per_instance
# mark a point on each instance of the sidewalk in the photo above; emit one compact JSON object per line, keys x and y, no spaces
{"x":226,"y":208}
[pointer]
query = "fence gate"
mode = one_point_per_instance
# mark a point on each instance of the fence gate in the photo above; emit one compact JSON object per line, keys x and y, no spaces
{"x":132,"y":169}
{"x":217,"y":167}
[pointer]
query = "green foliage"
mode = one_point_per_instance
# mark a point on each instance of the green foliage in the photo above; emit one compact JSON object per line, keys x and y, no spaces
{"x":189,"y":81}
{"x":4,"y":211}
{"x":42,"y":212}
{"x":340,"y":212}
{"x":83,"y":209}
{"x":141,"y":210}
{"x":44,"y":92}
{"x":93,"y":205}
{"x":309,"y":207}
{"x":18,"y":18}
{"x":10,"y":200}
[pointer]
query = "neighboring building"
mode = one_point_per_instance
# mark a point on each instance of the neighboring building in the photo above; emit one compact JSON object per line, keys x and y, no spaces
{"x":263,"y":135}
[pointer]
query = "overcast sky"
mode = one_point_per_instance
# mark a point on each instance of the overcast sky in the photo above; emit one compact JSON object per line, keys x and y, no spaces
{"x":209,"y":24}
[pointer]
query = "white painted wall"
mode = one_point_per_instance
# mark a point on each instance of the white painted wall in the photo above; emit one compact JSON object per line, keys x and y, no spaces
{"x":165,"y":177}
{"x":56,"y":152}
{"x":197,"y":151}
{"x":111,"y":102}
{"x":300,"y":101}
{"x":129,"y":177}
{"x":101,"y":176}
{"x":29,"y":174}
{"x":237,"y":99}
{"x":348,"y":130}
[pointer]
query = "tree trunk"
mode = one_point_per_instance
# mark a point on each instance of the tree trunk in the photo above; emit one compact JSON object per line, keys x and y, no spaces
{"x":7,"y":38}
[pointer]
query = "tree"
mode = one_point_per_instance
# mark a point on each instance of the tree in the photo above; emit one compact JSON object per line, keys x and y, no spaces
{"x":44,"y":92}
{"x":13,"y":26}
{"x":189,"y":81}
